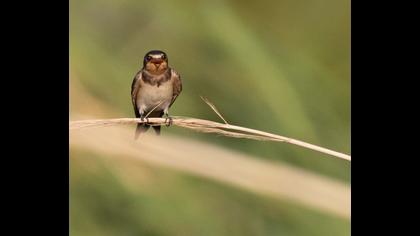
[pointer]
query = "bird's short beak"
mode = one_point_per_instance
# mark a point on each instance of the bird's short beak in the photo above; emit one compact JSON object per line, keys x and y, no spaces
{"x":157,"y":62}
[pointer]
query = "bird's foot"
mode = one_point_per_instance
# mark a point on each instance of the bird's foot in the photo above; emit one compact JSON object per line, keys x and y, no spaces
{"x":168,"y":120}
{"x":142,"y":119}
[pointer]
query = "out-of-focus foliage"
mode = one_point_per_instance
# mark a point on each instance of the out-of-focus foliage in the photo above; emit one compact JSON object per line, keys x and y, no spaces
{"x":277,"y":66}
{"x":109,"y":197}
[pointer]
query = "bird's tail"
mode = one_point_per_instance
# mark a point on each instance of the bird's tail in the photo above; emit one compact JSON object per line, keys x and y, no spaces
{"x":141,"y":128}
{"x":157,"y":129}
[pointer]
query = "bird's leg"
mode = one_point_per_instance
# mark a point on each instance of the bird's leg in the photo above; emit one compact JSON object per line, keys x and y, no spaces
{"x":142,"y":116}
{"x":168,"y":121}
{"x":167,"y":118}
{"x":142,"y":119}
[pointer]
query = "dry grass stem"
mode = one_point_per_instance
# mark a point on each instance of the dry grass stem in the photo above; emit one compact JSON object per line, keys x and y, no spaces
{"x":160,"y":103}
{"x":207,"y":126}
{"x":213,"y":107}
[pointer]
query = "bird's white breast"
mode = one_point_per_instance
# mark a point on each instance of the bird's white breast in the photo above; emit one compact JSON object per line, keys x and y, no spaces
{"x":150,"y":96}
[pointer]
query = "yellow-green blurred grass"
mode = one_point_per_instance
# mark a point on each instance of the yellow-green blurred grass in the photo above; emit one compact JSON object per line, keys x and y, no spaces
{"x":115,"y":195}
{"x":305,"y":188}
{"x":199,"y":158}
{"x":285,"y":73}
{"x":304,"y":94}
{"x":230,"y":167}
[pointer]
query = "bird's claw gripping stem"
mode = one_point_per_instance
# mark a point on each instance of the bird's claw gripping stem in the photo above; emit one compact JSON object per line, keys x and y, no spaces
{"x":142,"y":119}
{"x":168,"y":121}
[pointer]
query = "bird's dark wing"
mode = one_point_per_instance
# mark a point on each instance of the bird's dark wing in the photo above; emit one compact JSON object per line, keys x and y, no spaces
{"x":177,"y":86}
{"x":135,"y":86}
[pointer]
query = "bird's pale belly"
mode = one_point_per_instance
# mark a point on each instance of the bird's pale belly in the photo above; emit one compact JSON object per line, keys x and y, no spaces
{"x":150,"y":96}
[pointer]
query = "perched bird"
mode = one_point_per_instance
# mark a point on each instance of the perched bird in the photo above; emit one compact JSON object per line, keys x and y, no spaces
{"x":154,"y":89}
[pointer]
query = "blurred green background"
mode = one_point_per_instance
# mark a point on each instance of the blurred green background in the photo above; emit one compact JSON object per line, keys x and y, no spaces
{"x":276,"y":66}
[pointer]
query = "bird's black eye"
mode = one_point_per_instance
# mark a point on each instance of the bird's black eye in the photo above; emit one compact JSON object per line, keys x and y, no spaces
{"x":148,"y":58}
{"x":163,"y":56}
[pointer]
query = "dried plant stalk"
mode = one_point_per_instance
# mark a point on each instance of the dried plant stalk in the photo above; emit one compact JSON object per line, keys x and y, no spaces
{"x":213,"y":107}
{"x":207,"y":126}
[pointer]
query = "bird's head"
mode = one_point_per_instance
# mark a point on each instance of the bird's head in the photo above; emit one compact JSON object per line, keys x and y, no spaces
{"x":155,"y":62}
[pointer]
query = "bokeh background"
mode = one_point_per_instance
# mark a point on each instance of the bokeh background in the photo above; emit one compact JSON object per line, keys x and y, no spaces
{"x":277,"y":66}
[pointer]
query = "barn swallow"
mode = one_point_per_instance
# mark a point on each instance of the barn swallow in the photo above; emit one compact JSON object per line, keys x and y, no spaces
{"x":154,"y":89}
